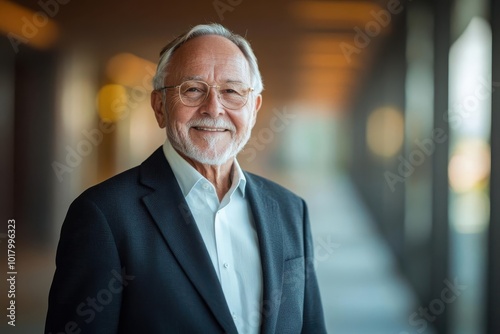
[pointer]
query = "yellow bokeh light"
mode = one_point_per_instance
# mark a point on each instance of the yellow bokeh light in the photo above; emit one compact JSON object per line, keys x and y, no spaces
{"x":112,"y":102}
{"x":24,"y":26}
{"x":385,"y":131}
{"x":470,"y":165}
{"x":130,"y":70}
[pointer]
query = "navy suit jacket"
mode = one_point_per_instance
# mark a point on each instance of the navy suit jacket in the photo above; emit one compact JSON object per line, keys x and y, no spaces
{"x":131,"y":260}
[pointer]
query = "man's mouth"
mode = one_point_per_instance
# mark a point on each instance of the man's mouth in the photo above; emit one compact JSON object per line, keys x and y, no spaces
{"x":199,"y":128}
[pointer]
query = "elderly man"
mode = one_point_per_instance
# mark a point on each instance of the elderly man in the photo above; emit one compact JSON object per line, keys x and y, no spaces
{"x":187,"y":242}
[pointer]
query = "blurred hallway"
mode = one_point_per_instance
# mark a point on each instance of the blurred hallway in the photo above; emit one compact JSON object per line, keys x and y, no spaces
{"x":363,"y":291}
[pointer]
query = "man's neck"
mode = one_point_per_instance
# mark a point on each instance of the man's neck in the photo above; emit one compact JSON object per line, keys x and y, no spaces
{"x":220,"y":176}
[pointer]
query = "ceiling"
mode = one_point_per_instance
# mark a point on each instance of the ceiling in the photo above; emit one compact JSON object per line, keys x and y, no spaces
{"x":305,"y":48}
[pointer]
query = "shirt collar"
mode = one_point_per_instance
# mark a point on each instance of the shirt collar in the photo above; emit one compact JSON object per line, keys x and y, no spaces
{"x":187,"y":176}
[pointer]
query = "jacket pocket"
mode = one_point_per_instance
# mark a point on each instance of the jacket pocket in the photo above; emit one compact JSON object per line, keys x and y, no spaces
{"x":292,"y":299}
{"x":294,"y":275}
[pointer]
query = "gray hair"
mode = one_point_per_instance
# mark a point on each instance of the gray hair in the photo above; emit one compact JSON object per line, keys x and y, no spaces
{"x":203,"y":30}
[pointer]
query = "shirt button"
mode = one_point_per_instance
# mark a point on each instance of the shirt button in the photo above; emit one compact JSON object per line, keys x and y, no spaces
{"x":206,"y":186}
{"x":226,"y":265}
{"x":234,"y":315}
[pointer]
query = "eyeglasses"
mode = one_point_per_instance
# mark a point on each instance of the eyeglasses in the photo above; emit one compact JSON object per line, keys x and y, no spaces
{"x":232,"y":95}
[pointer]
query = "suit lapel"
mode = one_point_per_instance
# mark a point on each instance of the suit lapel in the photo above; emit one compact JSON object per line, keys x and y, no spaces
{"x":171,"y":214}
{"x":268,"y":226}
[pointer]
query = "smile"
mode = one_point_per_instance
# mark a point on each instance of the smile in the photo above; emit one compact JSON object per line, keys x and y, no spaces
{"x":210,"y":129}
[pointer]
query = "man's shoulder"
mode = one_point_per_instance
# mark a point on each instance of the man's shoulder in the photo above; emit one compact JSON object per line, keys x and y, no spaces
{"x":126,"y":183}
{"x":119,"y":184}
{"x":272,"y":188}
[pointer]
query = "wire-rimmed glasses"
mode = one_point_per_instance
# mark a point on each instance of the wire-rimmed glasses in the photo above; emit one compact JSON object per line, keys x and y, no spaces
{"x":232,"y":95}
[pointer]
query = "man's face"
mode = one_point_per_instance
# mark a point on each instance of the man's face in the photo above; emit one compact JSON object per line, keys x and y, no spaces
{"x":209,"y":133}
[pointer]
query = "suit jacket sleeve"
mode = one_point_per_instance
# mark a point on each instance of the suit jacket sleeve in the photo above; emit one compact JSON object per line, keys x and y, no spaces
{"x":85,"y":295}
{"x":313,"y":320}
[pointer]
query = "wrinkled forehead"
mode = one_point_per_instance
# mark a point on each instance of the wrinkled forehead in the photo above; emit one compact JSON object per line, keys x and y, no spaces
{"x":209,"y":57}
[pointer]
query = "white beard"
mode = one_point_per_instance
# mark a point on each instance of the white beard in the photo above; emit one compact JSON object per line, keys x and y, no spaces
{"x":180,"y":140}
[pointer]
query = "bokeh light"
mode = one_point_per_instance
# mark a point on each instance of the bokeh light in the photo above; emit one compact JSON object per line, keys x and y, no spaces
{"x":385,"y":131}
{"x":469,"y":166}
{"x":112,"y":102}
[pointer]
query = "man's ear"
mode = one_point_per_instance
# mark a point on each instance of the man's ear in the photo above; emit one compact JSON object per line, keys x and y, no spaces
{"x":159,"y":108}
{"x":258,"y":104}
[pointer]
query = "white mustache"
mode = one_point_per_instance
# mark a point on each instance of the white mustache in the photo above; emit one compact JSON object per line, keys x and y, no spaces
{"x":212,"y":123}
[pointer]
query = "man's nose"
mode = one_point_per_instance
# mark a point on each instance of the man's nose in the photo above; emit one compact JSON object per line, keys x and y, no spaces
{"x":212,"y":105}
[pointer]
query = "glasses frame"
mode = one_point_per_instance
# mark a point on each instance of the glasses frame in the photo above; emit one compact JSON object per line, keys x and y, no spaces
{"x":217,"y":88}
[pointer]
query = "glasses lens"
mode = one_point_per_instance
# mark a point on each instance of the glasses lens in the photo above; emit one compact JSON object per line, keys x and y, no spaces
{"x":193,"y":93}
{"x":233,"y":95}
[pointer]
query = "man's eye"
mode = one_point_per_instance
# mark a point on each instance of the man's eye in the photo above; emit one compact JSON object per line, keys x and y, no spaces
{"x":231,"y":91}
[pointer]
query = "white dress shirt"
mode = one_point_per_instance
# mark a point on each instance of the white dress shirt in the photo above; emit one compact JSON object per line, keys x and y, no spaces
{"x":227,"y":228}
